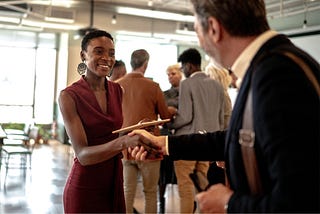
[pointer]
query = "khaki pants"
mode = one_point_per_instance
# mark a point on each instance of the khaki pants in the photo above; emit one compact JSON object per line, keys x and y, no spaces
{"x":186,"y":187}
{"x":150,"y":172}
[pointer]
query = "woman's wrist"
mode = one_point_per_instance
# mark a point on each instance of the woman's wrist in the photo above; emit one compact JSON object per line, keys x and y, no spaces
{"x":123,"y":142}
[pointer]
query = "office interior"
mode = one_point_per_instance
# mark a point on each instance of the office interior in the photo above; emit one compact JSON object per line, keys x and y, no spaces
{"x":40,"y":46}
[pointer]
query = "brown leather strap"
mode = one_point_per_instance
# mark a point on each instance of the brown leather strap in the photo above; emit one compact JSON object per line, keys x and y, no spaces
{"x":247,"y":135}
{"x":246,"y":140}
{"x":306,"y":70}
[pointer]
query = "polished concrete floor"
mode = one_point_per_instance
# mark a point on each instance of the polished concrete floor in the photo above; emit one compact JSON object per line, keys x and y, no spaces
{"x":39,"y":190}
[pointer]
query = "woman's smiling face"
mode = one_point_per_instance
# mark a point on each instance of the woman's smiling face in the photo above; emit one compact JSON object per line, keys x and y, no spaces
{"x":100,"y":56}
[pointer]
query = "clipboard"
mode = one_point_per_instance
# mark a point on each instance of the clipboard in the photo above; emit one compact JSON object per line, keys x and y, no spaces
{"x":141,"y":126}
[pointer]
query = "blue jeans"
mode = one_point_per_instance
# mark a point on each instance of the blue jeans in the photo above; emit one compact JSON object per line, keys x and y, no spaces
{"x":150,"y":172}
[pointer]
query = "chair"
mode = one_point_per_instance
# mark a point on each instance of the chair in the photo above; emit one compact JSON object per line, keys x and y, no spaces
{"x":19,"y":134}
{"x":17,"y":153}
{"x":17,"y":137}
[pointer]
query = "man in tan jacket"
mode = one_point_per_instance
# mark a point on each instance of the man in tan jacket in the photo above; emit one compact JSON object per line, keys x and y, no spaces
{"x":142,"y":100}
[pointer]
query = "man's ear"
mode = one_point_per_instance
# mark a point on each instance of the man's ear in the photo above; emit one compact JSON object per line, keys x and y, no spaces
{"x":214,"y":29}
{"x":145,"y":65}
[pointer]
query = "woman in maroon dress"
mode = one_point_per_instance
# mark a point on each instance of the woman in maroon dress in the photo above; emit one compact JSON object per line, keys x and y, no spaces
{"x":91,"y":110}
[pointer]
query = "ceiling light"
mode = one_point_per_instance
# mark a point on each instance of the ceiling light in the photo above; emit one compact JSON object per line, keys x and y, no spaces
{"x":120,"y":37}
{"x":155,"y":14}
{"x":50,"y":25}
{"x":57,"y":3}
{"x":304,"y":24}
{"x":175,"y":37}
{"x":186,"y":32}
{"x":150,"y":3}
{"x":114,"y":20}
{"x":134,"y":33}
{"x":55,"y":19}
{"x":185,"y":27}
{"x":305,"y":15}
{"x":20,"y":27}
{"x":10,"y":19}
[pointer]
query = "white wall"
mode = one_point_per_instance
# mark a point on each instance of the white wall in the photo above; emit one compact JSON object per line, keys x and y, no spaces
{"x":310,"y":44}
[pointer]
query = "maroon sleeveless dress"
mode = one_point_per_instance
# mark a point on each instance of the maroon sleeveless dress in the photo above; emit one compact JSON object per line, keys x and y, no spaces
{"x":96,"y":188}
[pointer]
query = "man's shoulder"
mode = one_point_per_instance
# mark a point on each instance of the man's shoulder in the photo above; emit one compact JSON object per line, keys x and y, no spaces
{"x":171,"y":91}
{"x":145,"y":82}
{"x":125,"y":79}
{"x":167,"y":91}
{"x":149,"y":81}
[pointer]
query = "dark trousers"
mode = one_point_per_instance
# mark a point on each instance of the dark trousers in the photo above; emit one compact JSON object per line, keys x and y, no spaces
{"x":167,"y":176}
{"x":215,"y":174}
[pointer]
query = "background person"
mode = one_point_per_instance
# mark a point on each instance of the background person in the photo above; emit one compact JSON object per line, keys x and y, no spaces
{"x":118,"y":70}
{"x":175,"y":76}
{"x":201,"y":109}
{"x":91,"y":110}
{"x":221,"y":75}
{"x":216,"y":172}
{"x":286,"y":114}
{"x":142,"y":99}
{"x":171,"y":96}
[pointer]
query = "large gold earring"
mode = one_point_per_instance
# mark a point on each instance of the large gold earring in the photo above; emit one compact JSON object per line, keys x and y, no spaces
{"x":82,"y":67}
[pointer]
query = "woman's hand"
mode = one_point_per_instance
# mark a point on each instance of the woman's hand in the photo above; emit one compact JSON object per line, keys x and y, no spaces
{"x":138,"y":153}
{"x":149,"y":145}
{"x":130,"y":141}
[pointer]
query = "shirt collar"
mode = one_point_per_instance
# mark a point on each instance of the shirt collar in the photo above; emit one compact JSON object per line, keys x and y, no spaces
{"x":195,"y":73}
{"x":135,"y":74}
{"x":242,"y":63}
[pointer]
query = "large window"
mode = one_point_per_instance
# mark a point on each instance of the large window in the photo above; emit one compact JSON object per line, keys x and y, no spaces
{"x":27,"y":76}
{"x":161,"y":56}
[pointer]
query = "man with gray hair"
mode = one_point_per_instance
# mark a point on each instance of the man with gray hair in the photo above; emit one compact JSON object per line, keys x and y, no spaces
{"x":285,"y":115}
{"x":142,"y":100}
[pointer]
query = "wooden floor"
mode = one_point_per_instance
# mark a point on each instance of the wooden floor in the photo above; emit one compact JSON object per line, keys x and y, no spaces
{"x":39,"y":190}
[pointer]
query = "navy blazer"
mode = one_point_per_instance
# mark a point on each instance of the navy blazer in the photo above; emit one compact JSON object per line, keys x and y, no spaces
{"x":286,"y":111}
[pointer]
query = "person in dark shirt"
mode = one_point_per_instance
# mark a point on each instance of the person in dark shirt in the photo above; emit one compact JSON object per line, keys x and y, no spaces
{"x":171,"y":96}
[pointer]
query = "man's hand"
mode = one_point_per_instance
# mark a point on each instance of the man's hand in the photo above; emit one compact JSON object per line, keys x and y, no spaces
{"x":150,"y":146}
{"x":137,"y":141}
{"x":214,"y":199}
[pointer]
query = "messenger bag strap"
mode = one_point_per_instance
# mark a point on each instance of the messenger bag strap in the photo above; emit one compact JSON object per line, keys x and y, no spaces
{"x":246,"y":140}
{"x":308,"y":72}
{"x":247,"y":135}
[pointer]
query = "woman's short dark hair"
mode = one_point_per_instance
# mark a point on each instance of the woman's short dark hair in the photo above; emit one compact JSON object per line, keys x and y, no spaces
{"x":93,"y":34}
{"x":239,"y":17}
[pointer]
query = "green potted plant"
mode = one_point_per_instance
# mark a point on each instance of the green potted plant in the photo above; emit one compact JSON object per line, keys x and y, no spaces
{"x":44,"y":134}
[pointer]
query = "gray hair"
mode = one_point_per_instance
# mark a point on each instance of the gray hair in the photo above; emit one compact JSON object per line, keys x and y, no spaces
{"x":138,"y":58}
{"x":238,"y":17}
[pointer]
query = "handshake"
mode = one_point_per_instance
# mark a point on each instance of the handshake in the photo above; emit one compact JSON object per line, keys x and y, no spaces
{"x":143,"y":145}
{"x":153,"y":151}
